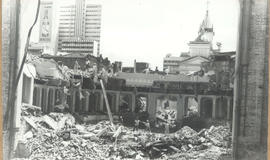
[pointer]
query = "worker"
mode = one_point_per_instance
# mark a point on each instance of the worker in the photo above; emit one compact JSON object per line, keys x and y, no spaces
{"x":87,"y":64}
{"x":67,"y":125}
{"x":136,"y":124}
{"x":147,"y":125}
{"x":66,"y":91}
{"x":173,"y":123}
{"x":121,"y":119}
{"x":167,"y":128}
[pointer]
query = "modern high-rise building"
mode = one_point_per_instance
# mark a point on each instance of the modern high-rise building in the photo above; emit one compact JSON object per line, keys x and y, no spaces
{"x":77,"y":24}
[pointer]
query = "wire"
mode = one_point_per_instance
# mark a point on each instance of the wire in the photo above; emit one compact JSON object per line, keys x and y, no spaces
{"x":22,"y":64}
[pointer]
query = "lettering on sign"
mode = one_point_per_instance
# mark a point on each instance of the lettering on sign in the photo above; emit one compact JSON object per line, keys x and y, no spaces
{"x":45,"y":22}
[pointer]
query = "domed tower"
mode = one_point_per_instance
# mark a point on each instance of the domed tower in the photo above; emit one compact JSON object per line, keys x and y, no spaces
{"x":206,"y":30}
{"x":202,"y":45}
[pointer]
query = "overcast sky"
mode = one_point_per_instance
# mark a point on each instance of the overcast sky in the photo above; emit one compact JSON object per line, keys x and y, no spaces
{"x":147,"y":30}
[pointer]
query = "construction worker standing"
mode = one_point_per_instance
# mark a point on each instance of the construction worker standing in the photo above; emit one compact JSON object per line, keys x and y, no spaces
{"x":167,"y":128}
{"x":136,"y":124}
{"x":121,"y":119}
{"x":147,"y":125}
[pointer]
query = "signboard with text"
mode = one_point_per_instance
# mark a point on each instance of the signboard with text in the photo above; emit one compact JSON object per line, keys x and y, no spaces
{"x":45,"y":29}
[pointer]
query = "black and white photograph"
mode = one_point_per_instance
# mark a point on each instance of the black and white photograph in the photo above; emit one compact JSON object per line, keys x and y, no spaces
{"x":135,"y":79}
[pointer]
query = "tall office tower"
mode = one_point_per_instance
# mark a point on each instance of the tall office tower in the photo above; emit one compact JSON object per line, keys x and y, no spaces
{"x":79,"y":28}
{"x":80,"y":18}
{"x":66,"y":27}
{"x":93,"y":22}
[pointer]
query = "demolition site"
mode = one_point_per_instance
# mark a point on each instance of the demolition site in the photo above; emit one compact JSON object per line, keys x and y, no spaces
{"x":69,"y":102}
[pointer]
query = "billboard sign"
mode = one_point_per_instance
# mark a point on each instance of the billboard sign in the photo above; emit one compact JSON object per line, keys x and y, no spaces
{"x":45,"y":29}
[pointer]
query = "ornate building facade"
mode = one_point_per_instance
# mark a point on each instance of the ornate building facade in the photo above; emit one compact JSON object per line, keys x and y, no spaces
{"x":199,"y":51}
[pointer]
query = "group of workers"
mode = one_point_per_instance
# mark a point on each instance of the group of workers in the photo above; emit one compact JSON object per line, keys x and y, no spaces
{"x":147,"y":125}
{"x":137,"y":123}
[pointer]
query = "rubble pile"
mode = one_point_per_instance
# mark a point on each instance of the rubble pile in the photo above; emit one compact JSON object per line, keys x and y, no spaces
{"x":58,"y":136}
{"x":186,"y":140}
{"x":56,"y":146}
{"x":30,"y":110}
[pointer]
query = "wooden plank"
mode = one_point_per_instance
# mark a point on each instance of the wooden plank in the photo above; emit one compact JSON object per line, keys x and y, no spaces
{"x":107,"y":103}
{"x":118,"y":132}
{"x":51,"y":122}
{"x":175,"y":149}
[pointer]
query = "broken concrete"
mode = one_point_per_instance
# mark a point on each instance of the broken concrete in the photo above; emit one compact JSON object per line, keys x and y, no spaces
{"x":98,"y":141}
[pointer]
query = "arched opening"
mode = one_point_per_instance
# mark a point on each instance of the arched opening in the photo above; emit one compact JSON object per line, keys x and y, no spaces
{"x":141,"y":103}
{"x":125,"y":103}
{"x":191,"y":105}
{"x":221,"y":110}
{"x":93,"y":102}
{"x":206,"y":107}
{"x":166,"y":108}
{"x":141,"y":107}
{"x":111,"y":100}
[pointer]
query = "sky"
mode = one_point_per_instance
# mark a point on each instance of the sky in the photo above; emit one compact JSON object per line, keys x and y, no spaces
{"x":147,"y":30}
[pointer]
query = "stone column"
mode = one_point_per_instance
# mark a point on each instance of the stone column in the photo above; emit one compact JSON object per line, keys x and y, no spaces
{"x":184,"y":105}
{"x":53,"y":99}
{"x":73,"y":100}
{"x":46,"y":101}
{"x":117,"y":102}
{"x":113,"y":105}
{"x":86,"y":101}
{"x":63,"y":97}
{"x":133,"y":102}
{"x":39,"y":98}
{"x":199,"y":105}
{"x":31,"y":90}
{"x":229,"y":99}
{"x":101,"y":102}
{"x":214,"y":111}
{"x":180,"y":108}
{"x":152,"y":105}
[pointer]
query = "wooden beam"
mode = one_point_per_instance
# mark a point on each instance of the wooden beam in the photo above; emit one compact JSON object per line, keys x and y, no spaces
{"x":107,"y":103}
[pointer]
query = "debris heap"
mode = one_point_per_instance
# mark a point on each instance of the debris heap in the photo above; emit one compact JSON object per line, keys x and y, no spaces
{"x":58,"y":136}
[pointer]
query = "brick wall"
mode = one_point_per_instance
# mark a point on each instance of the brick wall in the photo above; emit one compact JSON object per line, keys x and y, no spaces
{"x":5,"y":65}
{"x":5,"y":51}
{"x":251,"y":91}
{"x":9,"y":63}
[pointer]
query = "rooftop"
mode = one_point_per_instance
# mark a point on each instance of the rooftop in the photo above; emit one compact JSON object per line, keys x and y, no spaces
{"x":142,"y":79}
{"x":193,"y":58}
